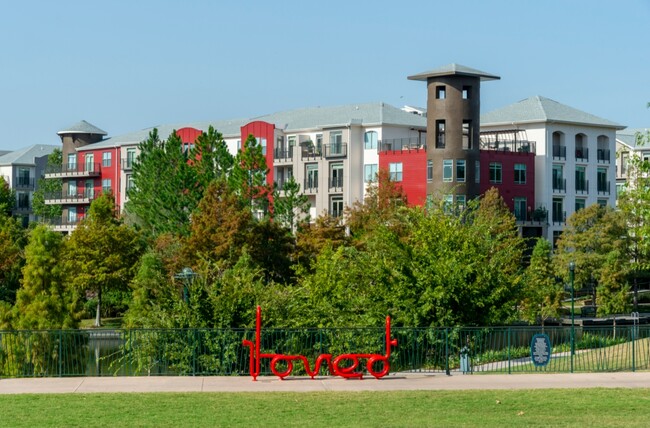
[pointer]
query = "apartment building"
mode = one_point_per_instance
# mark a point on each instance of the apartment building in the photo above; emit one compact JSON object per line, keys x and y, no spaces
{"x":575,"y":164}
{"x":22,"y":169}
{"x":627,"y":146}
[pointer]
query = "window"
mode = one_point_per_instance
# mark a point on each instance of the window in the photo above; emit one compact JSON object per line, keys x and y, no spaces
{"x":601,"y":179}
{"x":23,"y":200}
{"x":90,"y":162}
{"x":291,"y":140}
{"x":369,"y":172}
{"x":106,"y":159}
{"x":461,"y":202}
{"x":336,"y":206}
{"x":89,"y":189}
{"x":72,"y":215}
{"x":238,"y":145}
{"x":447,"y":170}
{"x":106,"y":185}
{"x":319,"y":143}
{"x":581,"y":179}
{"x":262,"y":143}
{"x":440,"y":134}
{"x":624,"y":160}
{"x":370,"y":140}
{"x":556,"y":236}
{"x":447,"y":203}
{"x":460,"y":171}
{"x":129,"y":182}
{"x":467,"y":134}
{"x":467,"y":92}
{"x":581,"y":147}
{"x":72,"y":188}
{"x":558,"y":178}
{"x":602,"y":202}
{"x":395,"y":170}
{"x":441,"y":92}
{"x":336,"y":175}
{"x":23,"y":177}
{"x":520,"y":205}
{"x":130,"y":157}
{"x":559,"y":150}
{"x":429,"y":170}
{"x":312,"y":176}
{"x":520,"y":173}
{"x":477,"y":171}
{"x":580,"y":204}
{"x":336,"y":142}
{"x":495,"y":172}
{"x":558,"y":210}
{"x":72,"y":162}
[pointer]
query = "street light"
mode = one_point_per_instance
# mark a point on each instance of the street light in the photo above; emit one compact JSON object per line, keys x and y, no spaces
{"x":187,"y":274}
{"x":572,"y":269}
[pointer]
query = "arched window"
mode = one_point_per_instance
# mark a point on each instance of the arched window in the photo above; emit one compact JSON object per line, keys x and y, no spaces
{"x":582,"y":152}
{"x":370,"y":140}
{"x":559,"y":150}
{"x":603,"y":149}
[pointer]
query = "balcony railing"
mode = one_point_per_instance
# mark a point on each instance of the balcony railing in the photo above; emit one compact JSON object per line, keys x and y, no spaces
{"x":559,"y":185}
{"x":537,"y":217}
{"x":59,"y":224}
{"x":60,"y":198}
{"x":73,"y":170}
{"x":336,"y":183}
{"x":517,"y":146}
{"x":310,"y":186}
{"x":336,"y":150}
{"x":401,"y":144}
{"x":559,"y":152}
{"x":310,"y":153}
{"x":23,"y":207}
{"x":559,"y":217}
{"x":127,"y":163}
{"x":282,"y":154}
{"x":24,"y":183}
{"x":582,"y":186}
{"x":604,"y":188}
{"x":602,"y":155}
{"x":582,"y":154}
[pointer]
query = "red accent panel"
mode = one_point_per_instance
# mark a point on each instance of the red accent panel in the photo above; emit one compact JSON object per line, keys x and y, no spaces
{"x":508,"y":189}
{"x":188,"y":135}
{"x":260,"y":129}
{"x":414,"y":172}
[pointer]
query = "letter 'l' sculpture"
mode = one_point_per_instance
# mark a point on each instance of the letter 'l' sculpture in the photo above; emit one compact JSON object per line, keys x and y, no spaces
{"x":334,"y":365}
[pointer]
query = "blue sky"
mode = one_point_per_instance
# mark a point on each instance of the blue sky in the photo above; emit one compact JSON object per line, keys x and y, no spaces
{"x":128,"y":65}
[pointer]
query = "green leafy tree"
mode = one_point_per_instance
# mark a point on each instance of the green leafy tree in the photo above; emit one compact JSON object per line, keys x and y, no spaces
{"x":43,"y":300}
{"x":248,"y":178}
{"x":326,"y":231}
{"x":211,"y":158}
{"x":270,"y":246}
{"x":613,"y":289}
{"x":7,"y":198}
{"x":13,"y":238}
{"x":102,"y":253}
{"x":542,"y":294}
{"x":290,"y":207}
{"x":48,"y":186}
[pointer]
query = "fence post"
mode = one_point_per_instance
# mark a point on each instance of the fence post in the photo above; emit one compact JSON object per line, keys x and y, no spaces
{"x":509,"y":372}
{"x":194,"y":344}
{"x":60,"y":348}
{"x":447,"y":351}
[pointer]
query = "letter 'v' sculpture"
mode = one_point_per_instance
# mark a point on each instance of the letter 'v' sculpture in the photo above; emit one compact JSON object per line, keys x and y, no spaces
{"x":350,"y":362}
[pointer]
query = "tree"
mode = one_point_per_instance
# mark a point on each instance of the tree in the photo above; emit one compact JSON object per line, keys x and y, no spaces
{"x":542,"y":294}
{"x":613,"y":290}
{"x":43,"y":301}
{"x":48,"y":186}
{"x":13,"y":238}
{"x":248,"y":178}
{"x":7,"y":198}
{"x":211,"y":158}
{"x":327,"y":231}
{"x":102,"y":253}
{"x":290,"y":207}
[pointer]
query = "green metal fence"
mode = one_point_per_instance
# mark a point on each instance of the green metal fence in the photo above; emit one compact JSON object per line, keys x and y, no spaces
{"x":188,"y":352}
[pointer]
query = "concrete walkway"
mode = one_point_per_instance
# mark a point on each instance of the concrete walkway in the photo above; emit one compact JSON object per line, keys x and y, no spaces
{"x":391,"y":382}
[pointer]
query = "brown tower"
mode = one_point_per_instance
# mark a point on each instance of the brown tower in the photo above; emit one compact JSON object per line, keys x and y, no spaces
{"x":453,"y":125}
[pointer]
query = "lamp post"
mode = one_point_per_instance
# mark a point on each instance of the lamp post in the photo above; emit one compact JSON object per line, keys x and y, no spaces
{"x":572,"y":268}
{"x":187,"y":274}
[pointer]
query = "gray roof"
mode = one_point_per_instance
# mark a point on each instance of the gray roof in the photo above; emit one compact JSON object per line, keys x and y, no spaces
{"x":27,"y":155}
{"x":627,"y":136}
{"x":82,"y":127}
{"x":305,"y":119}
{"x":453,"y":70}
{"x":539,"y":109}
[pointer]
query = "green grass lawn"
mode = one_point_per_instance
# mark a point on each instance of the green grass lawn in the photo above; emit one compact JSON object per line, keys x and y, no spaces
{"x":584,"y":407}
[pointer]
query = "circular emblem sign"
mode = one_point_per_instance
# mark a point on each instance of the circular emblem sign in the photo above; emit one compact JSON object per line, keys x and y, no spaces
{"x":540,"y":350}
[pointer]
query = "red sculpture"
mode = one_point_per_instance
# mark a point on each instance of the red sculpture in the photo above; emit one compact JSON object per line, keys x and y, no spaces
{"x":334,"y":365}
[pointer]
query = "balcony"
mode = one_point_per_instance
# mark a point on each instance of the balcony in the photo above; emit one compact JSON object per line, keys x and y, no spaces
{"x":538,"y":217}
{"x":63,"y":198}
{"x":602,"y":156}
{"x":582,"y":154}
{"x":24,"y":183}
{"x":512,"y":146}
{"x":310,"y":186}
{"x":402,"y":144}
{"x":582,"y":186}
{"x":559,"y":217}
{"x":127,"y":164}
{"x":336,"y":150}
{"x":559,"y":152}
{"x":60,"y":224}
{"x":604,"y":188}
{"x":73,"y":170}
{"x":311,"y":153}
{"x":559,"y":185}
{"x":22,"y":208}
{"x":281,"y":154}
{"x":336,"y":184}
